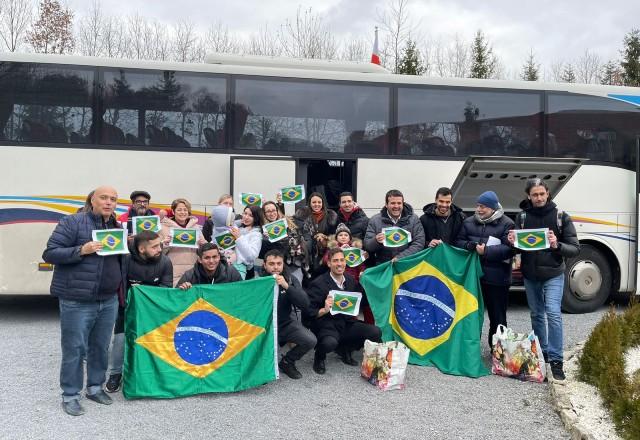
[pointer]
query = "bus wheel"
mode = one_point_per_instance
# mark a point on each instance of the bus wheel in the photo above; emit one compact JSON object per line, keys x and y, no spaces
{"x":588,"y":283}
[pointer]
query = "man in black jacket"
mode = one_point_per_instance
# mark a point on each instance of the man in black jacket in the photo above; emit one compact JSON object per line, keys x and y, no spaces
{"x":335,"y":332}
{"x":144,"y":265}
{"x":210,"y":268}
{"x":290,"y":329}
{"x":351,"y":215}
{"x":87,"y":286}
{"x":543,"y":270}
{"x":441,"y":220}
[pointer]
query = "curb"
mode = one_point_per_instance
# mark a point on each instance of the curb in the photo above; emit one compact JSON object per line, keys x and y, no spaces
{"x":562,"y":403}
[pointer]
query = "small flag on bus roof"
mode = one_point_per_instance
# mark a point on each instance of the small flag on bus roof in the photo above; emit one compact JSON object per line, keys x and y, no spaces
{"x":375,"y":55}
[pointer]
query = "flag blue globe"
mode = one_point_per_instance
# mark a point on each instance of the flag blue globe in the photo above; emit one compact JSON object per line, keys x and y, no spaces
{"x":201,"y":337}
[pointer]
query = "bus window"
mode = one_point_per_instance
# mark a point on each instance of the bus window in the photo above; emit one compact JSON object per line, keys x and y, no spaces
{"x":445,"y":122}
{"x":597,"y":128}
{"x":164,"y":109}
{"x":45,"y":103}
{"x":311,"y":116}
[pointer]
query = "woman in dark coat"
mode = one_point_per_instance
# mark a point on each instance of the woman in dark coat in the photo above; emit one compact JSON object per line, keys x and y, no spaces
{"x":486,"y":233}
{"x":318,"y":222}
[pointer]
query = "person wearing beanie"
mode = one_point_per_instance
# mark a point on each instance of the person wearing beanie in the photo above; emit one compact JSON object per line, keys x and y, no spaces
{"x":487,"y":234}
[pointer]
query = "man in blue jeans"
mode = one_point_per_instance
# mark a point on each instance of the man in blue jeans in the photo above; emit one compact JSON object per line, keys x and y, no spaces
{"x":543,"y":270}
{"x":87,"y":287}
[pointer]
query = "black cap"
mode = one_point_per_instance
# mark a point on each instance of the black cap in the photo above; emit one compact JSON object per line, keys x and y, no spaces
{"x":136,"y":194}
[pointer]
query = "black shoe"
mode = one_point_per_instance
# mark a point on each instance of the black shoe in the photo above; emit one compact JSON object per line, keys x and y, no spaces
{"x":289,"y":368}
{"x":345,"y":356}
{"x":114,"y":383}
{"x":557,"y":371}
{"x":318,"y":366}
{"x":73,"y":407}
{"x":100,"y":397}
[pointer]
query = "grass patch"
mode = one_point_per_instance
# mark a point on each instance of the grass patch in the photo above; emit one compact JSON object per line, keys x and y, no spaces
{"x":602,"y":365}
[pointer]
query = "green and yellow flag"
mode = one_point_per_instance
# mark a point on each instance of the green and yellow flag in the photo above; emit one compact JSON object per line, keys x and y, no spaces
{"x":210,"y":338}
{"x":396,"y":237}
{"x":275,"y":231}
{"x":353,"y":256}
{"x":225,"y":240}
{"x":432,"y":302}
{"x":292,"y":194}
{"x":146,"y":223}
{"x":251,"y":199}
{"x":531,"y":239}
{"x":346,"y":303}
{"x":114,"y":241}
{"x":184,"y":237}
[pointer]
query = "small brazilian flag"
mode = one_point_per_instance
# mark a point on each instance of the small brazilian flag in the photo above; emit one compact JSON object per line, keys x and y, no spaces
{"x":184,"y":237}
{"x":225,"y":240}
{"x":396,"y":237}
{"x":146,"y":223}
{"x":292,"y":194}
{"x":251,"y":199}
{"x":531,"y":239}
{"x":432,"y":302}
{"x":275,"y":231}
{"x":209,"y":338}
{"x":346,"y":303}
{"x":114,"y":241}
{"x":353,"y":256}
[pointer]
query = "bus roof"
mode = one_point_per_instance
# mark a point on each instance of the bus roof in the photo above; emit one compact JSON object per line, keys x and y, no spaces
{"x":316,"y":69}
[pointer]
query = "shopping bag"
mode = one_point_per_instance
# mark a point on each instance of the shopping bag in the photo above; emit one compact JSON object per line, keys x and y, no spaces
{"x":384,"y":364}
{"x":517,"y":355}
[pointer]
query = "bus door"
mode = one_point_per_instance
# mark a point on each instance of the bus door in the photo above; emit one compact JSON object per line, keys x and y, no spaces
{"x":328,"y":177}
{"x":264,"y":175}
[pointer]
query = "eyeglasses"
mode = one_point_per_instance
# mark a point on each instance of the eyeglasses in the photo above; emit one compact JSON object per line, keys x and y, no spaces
{"x":140,"y":202}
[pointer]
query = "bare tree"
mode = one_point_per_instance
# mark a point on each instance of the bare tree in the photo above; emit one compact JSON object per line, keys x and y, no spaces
{"x":114,"y":37}
{"x":264,"y":42}
{"x":356,"y":49}
{"x":15,"y":17}
{"x":219,"y":39}
{"x":588,"y":68}
{"x":136,"y":30}
{"x":90,"y":36}
{"x":307,"y":36}
{"x":452,"y":59}
{"x":397,"y":27}
{"x":52,"y":32}
{"x":185,"y":41}
{"x":557,"y":69}
{"x":158,"y":42}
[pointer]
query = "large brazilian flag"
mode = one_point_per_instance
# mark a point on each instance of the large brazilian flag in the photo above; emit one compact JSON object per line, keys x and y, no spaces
{"x":209,"y":338}
{"x":432,"y":302}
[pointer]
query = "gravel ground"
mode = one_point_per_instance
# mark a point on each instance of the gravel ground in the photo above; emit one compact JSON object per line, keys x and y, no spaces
{"x":336,"y":405}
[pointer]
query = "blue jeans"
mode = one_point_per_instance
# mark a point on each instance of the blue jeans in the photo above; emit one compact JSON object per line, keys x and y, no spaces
{"x":545,"y":301}
{"x":85,"y":328}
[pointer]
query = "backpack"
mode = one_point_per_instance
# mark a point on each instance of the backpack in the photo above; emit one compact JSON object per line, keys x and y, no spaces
{"x":523,"y":216}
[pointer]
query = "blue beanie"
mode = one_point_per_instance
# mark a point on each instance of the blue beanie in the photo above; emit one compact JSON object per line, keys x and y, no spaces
{"x":489,"y":199}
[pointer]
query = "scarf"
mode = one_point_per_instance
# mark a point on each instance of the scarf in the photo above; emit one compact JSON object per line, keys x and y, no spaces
{"x":347,"y":215}
{"x":317,"y":216}
{"x":495,"y":216}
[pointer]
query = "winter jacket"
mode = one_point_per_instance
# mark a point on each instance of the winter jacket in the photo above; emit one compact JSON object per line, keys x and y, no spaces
{"x":548,"y":263}
{"x":441,"y":228}
{"x":181,"y":258}
{"x":294,"y":296}
{"x":148,"y":273}
{"x":356,"y":221}
{"x":496,"y":261}
{"x":318,"y":291}
{"x":197,"y":275}
{"x":77,"y":277}
{"x":408,"y":221}
{"x":248,"y":246}
{"x":310,"y":228}
{"x":294,"y":248}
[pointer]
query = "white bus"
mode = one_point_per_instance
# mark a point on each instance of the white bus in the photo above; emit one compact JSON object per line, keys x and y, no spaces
{"x":69,"y":124}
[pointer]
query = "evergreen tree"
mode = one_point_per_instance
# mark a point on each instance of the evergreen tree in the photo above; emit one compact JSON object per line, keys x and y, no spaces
{"x":530,"y":69}
{"x":568,"y":74}
{"x":631,"y":59}
{"x":483,"y":62}
{"x":611,"y":74}
{"x":411,"y":63}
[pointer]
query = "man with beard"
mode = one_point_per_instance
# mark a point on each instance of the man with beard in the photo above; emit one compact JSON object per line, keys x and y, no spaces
{"x":352,"y":216}
{"x":211,"y":268}
{"x":543,"y":270}
{"x":290,"y":298}
{"x":395,"y":213}
{"x":144,"y":265}
{"x":441,"y":220}
{"x":139,"y":208}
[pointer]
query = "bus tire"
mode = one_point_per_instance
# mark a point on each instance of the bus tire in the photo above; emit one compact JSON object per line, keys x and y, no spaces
{"x":588,"y":281}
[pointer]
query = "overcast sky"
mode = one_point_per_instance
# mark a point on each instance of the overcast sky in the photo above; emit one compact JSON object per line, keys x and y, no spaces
{"x":556,"y":30}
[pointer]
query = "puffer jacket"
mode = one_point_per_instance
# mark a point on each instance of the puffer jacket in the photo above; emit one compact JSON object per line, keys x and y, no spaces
{"x":75,"y":276}
{"x":182,"y":259}
{"x":248,"y":246}
{"x":223,"y":274}
{"x":496,"y":261}
{"x":435,"y":228}
{"x":149,"y":273}
{"x":408,"y":221}
{"x":548,"y":263}
{"x":356,"y":221}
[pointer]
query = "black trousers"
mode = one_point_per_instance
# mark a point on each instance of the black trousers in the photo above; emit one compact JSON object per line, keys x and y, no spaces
{"x":496,"y":300}
{"x":296,"y":333}
{"x":347,"y":335}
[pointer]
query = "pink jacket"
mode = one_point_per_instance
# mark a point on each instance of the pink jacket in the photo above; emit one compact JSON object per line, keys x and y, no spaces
{"x":182,"y":259}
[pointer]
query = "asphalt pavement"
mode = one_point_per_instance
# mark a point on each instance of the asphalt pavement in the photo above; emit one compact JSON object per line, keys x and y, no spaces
{"x":338,"y":405}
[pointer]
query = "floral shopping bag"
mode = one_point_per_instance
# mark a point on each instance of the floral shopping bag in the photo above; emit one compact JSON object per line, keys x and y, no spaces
{"x":385,"y":364}
{"x":517,"y":355}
